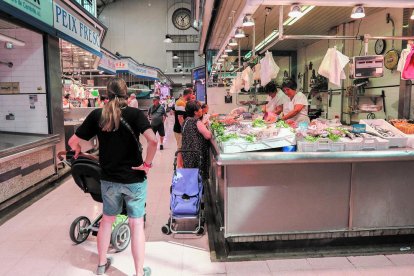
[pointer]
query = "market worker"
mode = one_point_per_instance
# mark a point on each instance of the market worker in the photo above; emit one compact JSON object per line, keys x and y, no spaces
{"x":276,"y":99}
{"x":132,"y":101}
{"x":297,"y":108}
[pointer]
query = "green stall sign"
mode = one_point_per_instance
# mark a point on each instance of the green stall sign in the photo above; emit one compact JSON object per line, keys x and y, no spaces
{"x":40,"y":9}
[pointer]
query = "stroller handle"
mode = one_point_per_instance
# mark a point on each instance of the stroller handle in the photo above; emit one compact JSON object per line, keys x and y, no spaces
{"x":181,"y":151}
{"x":69,"y":155}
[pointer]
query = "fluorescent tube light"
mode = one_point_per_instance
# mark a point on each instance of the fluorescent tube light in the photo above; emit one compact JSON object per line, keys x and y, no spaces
{"x":292,"y":20}
{"x":263,"y":43}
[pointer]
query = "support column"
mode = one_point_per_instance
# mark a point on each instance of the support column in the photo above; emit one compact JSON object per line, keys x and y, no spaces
{"x":54,"y":89}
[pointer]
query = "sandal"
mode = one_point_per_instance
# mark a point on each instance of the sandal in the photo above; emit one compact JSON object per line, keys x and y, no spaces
{"x":147,"y":271}
{"x":103,"y":268}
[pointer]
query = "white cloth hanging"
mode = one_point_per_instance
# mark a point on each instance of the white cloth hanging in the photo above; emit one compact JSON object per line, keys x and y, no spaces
{"x":268,"y":69}
{"x":247,"y":77}
{"x":332,"y":66}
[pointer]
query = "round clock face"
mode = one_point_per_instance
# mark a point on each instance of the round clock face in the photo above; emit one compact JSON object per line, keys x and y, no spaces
{"x":182,"y":19}
{"x":380,"y":46}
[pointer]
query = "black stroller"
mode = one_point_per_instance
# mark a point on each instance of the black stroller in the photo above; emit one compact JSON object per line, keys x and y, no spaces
{"x":186,"y":200}
{"x":86,"y":172}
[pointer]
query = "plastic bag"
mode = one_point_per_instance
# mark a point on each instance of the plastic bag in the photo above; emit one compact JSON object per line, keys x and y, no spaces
{"x":238,"y":82}
{"x":256,"y":72}
{"x":247,"y":77}
{"x":268,"y":69}
{"x":408,"y":72}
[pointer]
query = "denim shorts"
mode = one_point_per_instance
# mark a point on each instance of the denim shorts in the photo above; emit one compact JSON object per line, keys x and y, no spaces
{"x":134,"y":194}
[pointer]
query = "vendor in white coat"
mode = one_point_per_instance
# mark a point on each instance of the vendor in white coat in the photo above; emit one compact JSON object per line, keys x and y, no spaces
{"x":297,"y":108}
{"x":276,"y":99}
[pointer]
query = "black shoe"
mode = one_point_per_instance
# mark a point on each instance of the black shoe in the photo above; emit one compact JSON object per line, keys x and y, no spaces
{"x":161,"y":147}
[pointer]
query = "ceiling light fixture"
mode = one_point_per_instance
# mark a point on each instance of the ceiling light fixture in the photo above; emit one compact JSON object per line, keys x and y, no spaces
{"x":179,"y":65}
{"x":175,"y":56}
{"x":233,"y":42}
{"x":248,"y":20}
{"x":224,"y":55}
{"x":228,"y":49}
{"x":295,"y":11}
{"x":240,"y":33}
{"x":168,"y":39}
{"x":220,"y":60}
{"x":292,"y":20}
{"x":15,"y":41}
{"x":358,"y":12}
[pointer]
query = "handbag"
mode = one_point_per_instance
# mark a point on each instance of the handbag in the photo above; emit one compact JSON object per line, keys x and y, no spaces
{"x":125,"y":124}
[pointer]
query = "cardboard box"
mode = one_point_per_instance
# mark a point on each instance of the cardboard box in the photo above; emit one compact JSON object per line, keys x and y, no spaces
{"x":9,"y":87}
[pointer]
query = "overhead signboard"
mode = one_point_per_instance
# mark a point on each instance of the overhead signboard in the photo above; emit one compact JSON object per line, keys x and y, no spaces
{"x":107,"y":64}
{"x":39,"y":9}
{"x":199,"y":73}
{"x":135,"y":69}
{"x":73,"y":28}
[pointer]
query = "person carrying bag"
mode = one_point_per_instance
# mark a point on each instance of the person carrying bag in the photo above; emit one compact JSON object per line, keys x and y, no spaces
{"x":124,"y":171}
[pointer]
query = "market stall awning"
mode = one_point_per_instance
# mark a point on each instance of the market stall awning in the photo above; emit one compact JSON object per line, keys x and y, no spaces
{"x":107,"y":63}
{"x":127,"y":65}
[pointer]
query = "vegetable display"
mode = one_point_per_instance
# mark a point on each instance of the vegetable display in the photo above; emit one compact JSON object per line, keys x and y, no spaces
{"x":259,"y":123}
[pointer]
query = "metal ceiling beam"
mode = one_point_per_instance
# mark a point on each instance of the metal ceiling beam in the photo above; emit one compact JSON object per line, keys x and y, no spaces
{"x":249,"y":8}
{"x":345,"y":3}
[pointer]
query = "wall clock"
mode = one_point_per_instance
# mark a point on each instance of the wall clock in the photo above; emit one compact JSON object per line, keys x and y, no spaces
{"x":181,"y":19}
{"x":380,"y":46}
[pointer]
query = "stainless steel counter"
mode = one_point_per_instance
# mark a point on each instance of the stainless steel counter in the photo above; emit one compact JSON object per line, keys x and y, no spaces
{"x":277,"y":157}
{"x":260,"y":196}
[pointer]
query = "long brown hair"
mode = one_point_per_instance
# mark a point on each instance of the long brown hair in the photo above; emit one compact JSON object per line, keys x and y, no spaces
{"x":111,"y":112}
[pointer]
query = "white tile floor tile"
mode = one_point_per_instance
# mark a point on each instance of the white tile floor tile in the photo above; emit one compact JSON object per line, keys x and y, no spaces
{"x":36,"y":241}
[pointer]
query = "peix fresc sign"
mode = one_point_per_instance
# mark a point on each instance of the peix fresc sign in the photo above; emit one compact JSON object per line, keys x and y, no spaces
{"x":71,"y":25}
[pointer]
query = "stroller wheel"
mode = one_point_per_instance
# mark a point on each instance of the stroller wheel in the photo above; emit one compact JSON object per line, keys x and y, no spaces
{"x":120,"y":237}
{"x":200,"y":231}
{"x":79,"y":231}
{"x":166,"y":229}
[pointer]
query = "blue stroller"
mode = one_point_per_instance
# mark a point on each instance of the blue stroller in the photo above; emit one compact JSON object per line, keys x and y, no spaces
{"x":186,"y":200}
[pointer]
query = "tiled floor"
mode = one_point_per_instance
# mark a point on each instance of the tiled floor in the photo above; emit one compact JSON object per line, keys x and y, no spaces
{"x":36,"y":241}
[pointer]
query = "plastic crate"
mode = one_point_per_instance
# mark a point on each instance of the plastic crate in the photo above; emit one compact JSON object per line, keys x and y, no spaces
{"x":400,"y":139}
{"x":358,"y":144}
{"x":323,"y":144}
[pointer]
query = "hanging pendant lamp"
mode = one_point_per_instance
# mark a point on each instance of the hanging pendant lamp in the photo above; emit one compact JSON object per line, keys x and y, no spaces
{"x":233,"y":42}
{"x":239,"y":33}
{"x":168,"y":39}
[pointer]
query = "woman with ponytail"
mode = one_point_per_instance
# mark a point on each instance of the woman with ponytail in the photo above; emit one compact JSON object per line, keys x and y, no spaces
{"x":124,"y":172}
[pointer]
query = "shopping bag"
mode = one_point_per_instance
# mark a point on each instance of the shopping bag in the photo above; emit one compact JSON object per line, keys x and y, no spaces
{"x":408,"y":72}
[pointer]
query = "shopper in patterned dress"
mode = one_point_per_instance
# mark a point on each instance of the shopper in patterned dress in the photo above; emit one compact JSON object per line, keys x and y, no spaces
{"x":194,"y":133}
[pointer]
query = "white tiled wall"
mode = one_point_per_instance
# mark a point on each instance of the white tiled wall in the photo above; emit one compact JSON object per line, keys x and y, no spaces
{"x":29,"y":71}
{"x":28,"y":61}
{"x":26,"y":119}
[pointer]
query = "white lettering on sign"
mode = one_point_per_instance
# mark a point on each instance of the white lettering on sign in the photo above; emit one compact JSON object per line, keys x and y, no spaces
{"x":74,"y":27}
